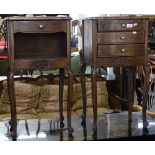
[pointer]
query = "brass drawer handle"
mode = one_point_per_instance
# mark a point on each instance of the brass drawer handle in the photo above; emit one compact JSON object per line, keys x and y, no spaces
{"x":123,"y":50}
{"x":122,"y":37}
{"x":41,"y":26}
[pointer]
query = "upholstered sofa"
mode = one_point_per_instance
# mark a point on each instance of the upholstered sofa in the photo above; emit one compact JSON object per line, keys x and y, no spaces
{"x":37,"y":98}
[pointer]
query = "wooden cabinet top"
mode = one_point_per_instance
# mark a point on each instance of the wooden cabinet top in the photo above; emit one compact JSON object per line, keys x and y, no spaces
{"x":16,"y":18}
{"x":116,"y":17}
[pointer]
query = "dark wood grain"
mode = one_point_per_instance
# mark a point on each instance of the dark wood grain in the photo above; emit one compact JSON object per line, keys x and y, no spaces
{"x":116,"y":42}
{"x":39,"y":43}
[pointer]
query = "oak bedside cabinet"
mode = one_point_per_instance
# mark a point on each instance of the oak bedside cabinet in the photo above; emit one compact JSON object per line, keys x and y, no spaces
{"x":114,"y":42}
{"x":39,"y":43}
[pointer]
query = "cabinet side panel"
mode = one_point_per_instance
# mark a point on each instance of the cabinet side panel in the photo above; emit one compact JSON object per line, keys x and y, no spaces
{"x":87,"y":41}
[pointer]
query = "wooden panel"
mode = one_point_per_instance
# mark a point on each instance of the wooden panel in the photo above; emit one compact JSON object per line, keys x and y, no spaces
{"x":121,"y":61}
{"x":41,"y":64}
{"x":121,"y":50}
{"x":120,"y":25}
{"x":87,"y":37}
{"x":120,"y":37}
{"x":39,"y":46}
{"x":40,"y":26}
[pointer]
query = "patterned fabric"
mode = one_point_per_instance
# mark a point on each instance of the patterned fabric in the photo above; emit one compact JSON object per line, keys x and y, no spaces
{"x":49,"y":98}
{"x":102,"y":98}
{"x":27,"y":96}
{"x":38,"y":99}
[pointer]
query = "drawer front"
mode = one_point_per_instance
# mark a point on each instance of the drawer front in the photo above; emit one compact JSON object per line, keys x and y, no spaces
{"x":120,"y":37}
{"x":121,"y":50}
{"x":40,"y":26}
{"x":120,"y":25}
{"x":121,"y":61}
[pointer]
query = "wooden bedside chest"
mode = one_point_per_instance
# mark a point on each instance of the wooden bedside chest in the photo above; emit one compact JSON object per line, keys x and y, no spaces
{"x":115,"y":41}
{"x":39,"y":43}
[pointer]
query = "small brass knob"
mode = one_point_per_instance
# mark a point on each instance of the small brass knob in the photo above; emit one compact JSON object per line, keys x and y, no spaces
{"x":122,"y":37}
{"x":123,"y":50}
{"x":122,"y":25}
{"x":41,"y":26}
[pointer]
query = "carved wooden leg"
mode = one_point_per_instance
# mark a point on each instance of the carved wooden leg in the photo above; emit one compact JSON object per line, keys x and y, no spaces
{"x":141,"y":83}
{"x":94,"y":97}
{"x":129,"y":129}
{"x":145,"y":96}
{"x":11,"y":91}
{"x":138,"y":92}
{"x":131,"y":78}
{"x":83,"y":86}
{"x":61,"y":86}
{"x":131,"y":85}
{"x":61,"y":135}
{"x":85,"y":133}
{"x":27,"y":128}
{"x":38,"y":129}
{"x":69,"y":105}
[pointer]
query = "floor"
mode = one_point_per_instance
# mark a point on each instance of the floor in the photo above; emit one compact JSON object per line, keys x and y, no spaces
{"x":110,"y":127}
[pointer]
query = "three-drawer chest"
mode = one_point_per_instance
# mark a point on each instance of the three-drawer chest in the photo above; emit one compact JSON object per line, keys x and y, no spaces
{"x":114,"y":42}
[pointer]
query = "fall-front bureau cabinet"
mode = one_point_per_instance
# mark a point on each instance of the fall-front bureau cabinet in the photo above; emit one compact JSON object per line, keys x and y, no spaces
{"x":115,"y":41}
